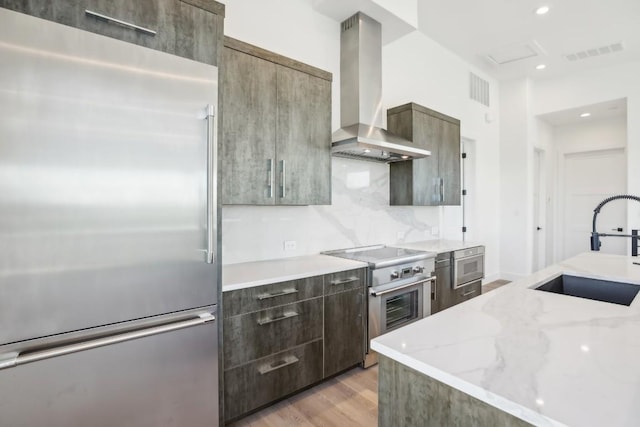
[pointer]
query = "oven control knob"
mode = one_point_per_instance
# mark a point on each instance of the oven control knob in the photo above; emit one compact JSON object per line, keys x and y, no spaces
{"x":395,"y":274}
{"x":417,"y":269}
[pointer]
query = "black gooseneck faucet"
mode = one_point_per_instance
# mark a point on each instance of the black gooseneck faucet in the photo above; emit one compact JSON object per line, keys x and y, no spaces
{"x":595,"y":236}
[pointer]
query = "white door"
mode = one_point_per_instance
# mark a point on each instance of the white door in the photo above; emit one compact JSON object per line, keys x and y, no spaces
{"x":589,"y":178}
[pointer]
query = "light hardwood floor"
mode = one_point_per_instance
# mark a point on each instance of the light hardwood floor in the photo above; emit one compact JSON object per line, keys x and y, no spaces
{"x":348,"y":400}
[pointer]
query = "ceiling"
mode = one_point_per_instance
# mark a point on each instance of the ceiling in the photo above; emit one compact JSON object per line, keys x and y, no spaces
{"x":474,"y":29}
{"x":599,"y":111}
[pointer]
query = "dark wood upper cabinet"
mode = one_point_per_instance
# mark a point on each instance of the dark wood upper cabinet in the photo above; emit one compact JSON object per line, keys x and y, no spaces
{"x":276,"y":129}
{"x":434,"y":180}
{"x":189,"y":28}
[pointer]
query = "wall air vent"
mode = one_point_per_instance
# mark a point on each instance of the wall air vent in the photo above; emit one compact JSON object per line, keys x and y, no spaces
{"x":596,"y":51}
{"x":479,"y":89}
{"x":348,"y":23}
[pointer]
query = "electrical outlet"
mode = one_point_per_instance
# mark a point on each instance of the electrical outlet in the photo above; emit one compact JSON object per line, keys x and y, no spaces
{"x":435,"y":231}
{"x":289,"y":245}
{"x":399,"y":236}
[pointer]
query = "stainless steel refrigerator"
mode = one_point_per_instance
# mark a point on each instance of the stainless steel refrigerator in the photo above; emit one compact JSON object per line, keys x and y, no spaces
{"x":108,"y":231}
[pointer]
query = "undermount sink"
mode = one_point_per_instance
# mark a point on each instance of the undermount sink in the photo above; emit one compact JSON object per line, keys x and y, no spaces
{"x":596,"y":289}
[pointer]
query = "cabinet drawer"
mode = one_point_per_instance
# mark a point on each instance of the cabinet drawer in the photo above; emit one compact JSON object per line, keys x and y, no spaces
{"x":344,"y":281}
{"x":467,"y":292}
{"x":255,"y":384}
{"x":254,"y":335}
{"x":260,"y":297}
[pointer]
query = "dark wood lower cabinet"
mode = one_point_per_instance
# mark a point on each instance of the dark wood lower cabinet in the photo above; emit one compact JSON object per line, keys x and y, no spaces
{"x":343,"y":331}
{"x":258,"y":383}
{"x":282,"y":337}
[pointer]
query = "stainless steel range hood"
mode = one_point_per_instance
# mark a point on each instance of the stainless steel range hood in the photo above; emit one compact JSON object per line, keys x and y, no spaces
{"x":361,"y":135}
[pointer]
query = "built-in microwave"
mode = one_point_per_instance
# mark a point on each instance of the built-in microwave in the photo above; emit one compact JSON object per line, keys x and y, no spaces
{"x":468,"y":266}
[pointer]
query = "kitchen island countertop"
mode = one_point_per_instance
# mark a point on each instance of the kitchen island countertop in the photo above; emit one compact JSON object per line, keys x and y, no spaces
{"x":257,"y":273}
{"x":545,"y":358}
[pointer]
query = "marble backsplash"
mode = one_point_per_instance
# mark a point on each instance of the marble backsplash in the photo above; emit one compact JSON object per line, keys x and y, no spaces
{"x":359,"y":215}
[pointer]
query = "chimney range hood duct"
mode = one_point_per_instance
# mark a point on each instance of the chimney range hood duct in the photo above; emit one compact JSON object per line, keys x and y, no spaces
{"x":361,"y":135}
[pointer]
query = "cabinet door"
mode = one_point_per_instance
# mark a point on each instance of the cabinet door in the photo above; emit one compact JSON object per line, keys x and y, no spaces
{"x":449,"y":163}
{"x":248,"y":91}
{"x":442,"y":296}
{"x":303,"y":138}
{"x":343,"y":331}
{"x":427,"y":133}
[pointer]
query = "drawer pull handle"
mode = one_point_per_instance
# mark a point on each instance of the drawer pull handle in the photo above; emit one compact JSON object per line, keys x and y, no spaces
{"x":277,"y":294}
{"x":279,"y":364}
{"x":344,"y":281}
{"x":111,"y":20}
{"x":286,"y":315}
{"x":466,"y":294}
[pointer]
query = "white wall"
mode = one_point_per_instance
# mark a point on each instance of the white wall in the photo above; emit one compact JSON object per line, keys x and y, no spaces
{"x":414,"y":69}
{"x":515,"y":179}
{"x":594,"y":86}
{"x":588,"y":135}
{"x":548,"y":96}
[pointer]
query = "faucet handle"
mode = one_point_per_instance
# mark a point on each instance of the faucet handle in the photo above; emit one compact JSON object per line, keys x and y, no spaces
{"x":619,"y":229}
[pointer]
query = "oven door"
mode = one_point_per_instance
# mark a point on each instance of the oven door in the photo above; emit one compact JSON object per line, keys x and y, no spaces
{"x":468,"y":269}
{"x":396,"y":306}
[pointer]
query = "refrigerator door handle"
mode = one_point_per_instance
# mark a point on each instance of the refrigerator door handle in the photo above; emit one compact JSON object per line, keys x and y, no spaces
{"x":212,"y":181}
{"x":10,"y":360}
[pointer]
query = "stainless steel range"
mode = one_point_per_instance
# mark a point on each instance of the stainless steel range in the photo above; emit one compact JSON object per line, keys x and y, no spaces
{"x":400,"y":282}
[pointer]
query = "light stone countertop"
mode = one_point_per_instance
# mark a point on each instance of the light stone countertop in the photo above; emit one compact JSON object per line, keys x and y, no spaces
{"x":438,"y":245}
{"x":546,"y":358}
{"x":249,"y":274}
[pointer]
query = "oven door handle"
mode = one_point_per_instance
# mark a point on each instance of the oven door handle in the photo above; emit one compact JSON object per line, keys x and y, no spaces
{"x":408,"y":285}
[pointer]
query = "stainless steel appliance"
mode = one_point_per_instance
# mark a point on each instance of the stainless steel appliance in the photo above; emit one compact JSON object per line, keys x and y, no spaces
{"x":400,"y":282}
{"x":468,"y":266}
{"x":361,"y":135}
{"x":108,"y":225}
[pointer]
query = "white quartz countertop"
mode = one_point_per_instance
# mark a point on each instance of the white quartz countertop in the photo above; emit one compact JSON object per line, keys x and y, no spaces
{"x":248,"y":274}
{"x":438,"y":245}
{"x":546,"y":358}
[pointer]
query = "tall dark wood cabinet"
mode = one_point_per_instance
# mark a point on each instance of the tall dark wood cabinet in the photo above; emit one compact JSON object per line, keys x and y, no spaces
{"x":276,"y":129}
{"x":434,"y":180}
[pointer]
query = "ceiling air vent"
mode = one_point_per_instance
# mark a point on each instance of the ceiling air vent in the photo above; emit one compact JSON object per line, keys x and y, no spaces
{"x":596,"y":51}
{"x":479,"y":89}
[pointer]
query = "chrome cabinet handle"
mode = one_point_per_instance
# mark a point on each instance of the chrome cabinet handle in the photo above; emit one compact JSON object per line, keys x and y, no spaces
{"x":270,"y":177}
{"x":283,"y":179}
{"x":466,"y":294}
{"x":212,"y":180}
{"x":125,"y":24}
{"x":286,"y":315}
{"x":434,"y":294}
{"x":344,"y":281}
{"x":285,"y":361}
{"x":408,"y":285}
{"x":277,"y":294}
{"x":441,"y":189}
{"x":15,"y":359}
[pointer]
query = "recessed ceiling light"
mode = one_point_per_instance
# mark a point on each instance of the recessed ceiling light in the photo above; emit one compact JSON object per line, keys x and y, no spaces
{"x":540,"y":67}
{"x":585,"y":114}
{"x":405,"y":157}
{"x":542,"y":10}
